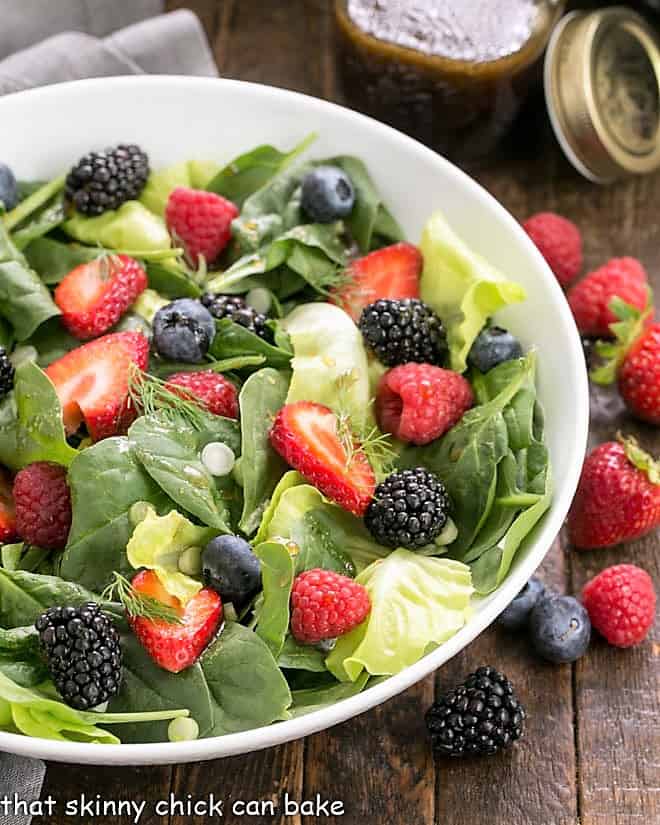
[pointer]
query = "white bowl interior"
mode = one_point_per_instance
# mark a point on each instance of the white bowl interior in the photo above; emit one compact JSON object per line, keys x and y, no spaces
{"x":176,"y":118}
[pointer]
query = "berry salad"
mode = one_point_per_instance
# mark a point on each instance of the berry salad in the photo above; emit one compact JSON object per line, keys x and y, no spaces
{"x":256,"y":448}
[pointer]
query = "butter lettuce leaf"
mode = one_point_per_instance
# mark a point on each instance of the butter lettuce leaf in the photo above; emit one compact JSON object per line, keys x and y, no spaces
{"x":416,"y":602}
{"x":132,"y":226}
{"x":463,"y":288}
{"x":191,"y":173}
{"x":158,"y":542}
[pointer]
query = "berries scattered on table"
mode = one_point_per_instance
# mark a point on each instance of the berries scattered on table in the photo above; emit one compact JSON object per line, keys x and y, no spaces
{"x":418,"y":403}
{"x":409,"y":509}
{"x":43,"y":505}
{"x":183,"y":331}
{"x":83,"y":653}
{"x":92,"y":383}
{"x":391,"y":272}
{"x":212,"y":389}
{"x":621,"y":604}
{"x":7,"y":373}
{"x":237,"y":310}
{"x":7,"y":511}
{"x":231,"y":568}
{"x":560,"y":243}
{"x":559,"y":629}
{"x":493,"y":346}
{"x":639,"y":376}
{"x":401,"y":331}
{"x":325,"y":605}
{"x":8,"y":188}
{"x":478,"y":718}
{"x":308,"y":438}
{"x":516,"y":615}
{"x":175,"y":647}
{"x":618,"y":496}
{"x":104,"y":180}
{"x":95,"y":295}
{"x":589,"y":300}
{"x":327,"y":194}
{"x":200,"y":222}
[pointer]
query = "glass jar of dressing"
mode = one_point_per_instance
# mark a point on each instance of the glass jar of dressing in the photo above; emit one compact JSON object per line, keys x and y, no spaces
{"x":453,"y":73}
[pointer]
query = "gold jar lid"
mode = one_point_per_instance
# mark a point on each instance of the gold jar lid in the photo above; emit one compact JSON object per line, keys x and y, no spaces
{"x":602,"y":85}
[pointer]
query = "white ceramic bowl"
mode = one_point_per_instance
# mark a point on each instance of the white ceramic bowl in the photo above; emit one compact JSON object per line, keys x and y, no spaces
{"x":175,"y":118}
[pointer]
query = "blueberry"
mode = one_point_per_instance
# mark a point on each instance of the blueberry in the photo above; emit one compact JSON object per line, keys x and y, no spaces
{"x":491,"y":347}
{"x":230,"y":567}
{"x":8,"y":188}
{"x":515,"y":616}
{"x":560,"y":629}
{"x":183,"y":331}
{"x":327,"y":194}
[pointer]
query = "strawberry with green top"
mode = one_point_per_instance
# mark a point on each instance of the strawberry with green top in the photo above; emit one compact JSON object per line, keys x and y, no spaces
{"x":618,"y":497}
{"x":633,"y":360}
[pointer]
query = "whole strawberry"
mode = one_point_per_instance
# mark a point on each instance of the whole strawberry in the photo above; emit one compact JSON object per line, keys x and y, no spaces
{"x":199,"y":221}
{"x":325,"y":605}
{"x":621,"y":604}
{"x":633,"y":360}
{"x":417,"y":403}
{"x":589,"y":300}
{"x":560,"y":243}
{"x":618,"y":497}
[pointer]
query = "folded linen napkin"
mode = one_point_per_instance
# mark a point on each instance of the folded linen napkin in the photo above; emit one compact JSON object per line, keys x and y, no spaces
{"x":85,"y":39}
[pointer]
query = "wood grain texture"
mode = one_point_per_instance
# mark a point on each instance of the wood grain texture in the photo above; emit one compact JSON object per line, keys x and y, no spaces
{"x":591,"y":753}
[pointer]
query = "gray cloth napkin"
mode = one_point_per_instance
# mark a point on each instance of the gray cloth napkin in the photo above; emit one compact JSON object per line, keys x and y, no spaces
{"x":85,"y":38}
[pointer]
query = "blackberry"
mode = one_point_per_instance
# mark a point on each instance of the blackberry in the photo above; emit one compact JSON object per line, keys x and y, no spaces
{"x":82,"y":650}
{"x":409,"y":509}
{"x":478,"y":718}
{"x":401,"y":331}
{"x":104,"y":180}
{"x":237,"y":310}
{"x":7,"y":373}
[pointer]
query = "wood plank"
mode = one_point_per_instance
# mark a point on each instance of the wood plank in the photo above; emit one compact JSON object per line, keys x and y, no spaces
{"x":68,"y":783}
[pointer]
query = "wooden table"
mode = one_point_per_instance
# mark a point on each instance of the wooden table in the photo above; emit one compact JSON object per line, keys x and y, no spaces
{"x":591,"y":753}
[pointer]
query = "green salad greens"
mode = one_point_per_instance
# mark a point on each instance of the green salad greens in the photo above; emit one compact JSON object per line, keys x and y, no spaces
{"x":173,"y":482}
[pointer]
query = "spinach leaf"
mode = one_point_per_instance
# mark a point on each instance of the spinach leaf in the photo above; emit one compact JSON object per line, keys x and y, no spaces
{"x":106,"y":479}
{"x":24,"y":300}
{"x":171,"y":280}
{"x":277,"y":571}
{"x":251,"y":171}
{"x":169,"y":450}
{"x":20,"y":658}
{"x":19,"y":641}
{"x":53,"y":259}
{"x":24,"y":596}
{"x":294,"y":656}
{"x":42,"y":221}
{"x":145,"y":685}
{"x":232,"y":340}
{"x":246,"y":684}
{"x":6,"y":335}
{"x":31,"y":427}
{"x":262,"y":395}
{"x":162,"y":369}
{"x":316,"y":538}
{"x":52,"y":341}
{"x":311,"y":699}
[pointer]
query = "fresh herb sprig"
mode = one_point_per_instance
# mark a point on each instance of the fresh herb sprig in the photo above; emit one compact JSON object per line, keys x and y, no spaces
{"x":139,"y":605}
{"x":150,"y":395}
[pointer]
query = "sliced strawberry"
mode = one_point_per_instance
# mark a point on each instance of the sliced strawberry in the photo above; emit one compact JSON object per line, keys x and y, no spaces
{"x":306,"y":435}
{"x":175,"y":647}
{"x":94,"y":296}
{"x":92,"y":383}
{"x":7,"y":510}
{"x":391,"y":272}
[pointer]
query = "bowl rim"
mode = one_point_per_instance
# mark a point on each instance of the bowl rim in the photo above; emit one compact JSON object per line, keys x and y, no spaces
{"x":259,"y":738}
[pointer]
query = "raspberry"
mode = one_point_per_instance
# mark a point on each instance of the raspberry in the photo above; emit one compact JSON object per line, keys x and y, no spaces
{"x":326,"y":605}
{"x":43,"y":505}
{"x":217,"y":394}
{"x":621,"y":604}
{"x":418,"y":402}
{"x":589,"y":300}
{"x":200,"y":221}
{"x":560,"y":243}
